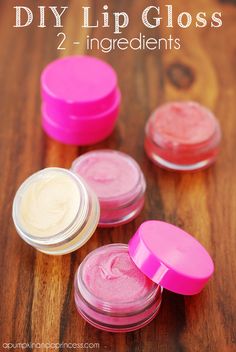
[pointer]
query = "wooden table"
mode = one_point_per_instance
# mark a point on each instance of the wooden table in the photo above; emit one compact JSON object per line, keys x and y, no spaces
{"x":37,"y":290}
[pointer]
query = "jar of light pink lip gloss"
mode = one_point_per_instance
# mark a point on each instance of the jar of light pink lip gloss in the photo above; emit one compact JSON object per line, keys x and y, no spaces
{"x":118,"y":182}
{"x":112,"y":311}
{"x":118,"y":287}
{"x":182,"y":136}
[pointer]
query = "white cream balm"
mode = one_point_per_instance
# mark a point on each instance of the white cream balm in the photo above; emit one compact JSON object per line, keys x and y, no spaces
{"x":55,"y":211}
{"x":49,"y":204}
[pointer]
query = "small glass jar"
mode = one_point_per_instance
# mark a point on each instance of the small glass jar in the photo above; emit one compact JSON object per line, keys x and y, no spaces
{"x":118,"y":182}
{"x":182,"y":136}
{"x":115,"y":314}
{"x":55,"y":211}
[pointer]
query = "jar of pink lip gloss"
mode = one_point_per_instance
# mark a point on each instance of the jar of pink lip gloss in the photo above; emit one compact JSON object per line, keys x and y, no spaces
{"x":118,"y":182}
{"x":118,"y":287}
{"x":124,"y":306}
{"x":182,"y":136}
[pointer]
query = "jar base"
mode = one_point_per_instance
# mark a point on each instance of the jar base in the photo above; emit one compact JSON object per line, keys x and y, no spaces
{"x":124,"y":220}
{"x":119,"y":329}
{"x":76,"y":245}
{"x":178,"y":167}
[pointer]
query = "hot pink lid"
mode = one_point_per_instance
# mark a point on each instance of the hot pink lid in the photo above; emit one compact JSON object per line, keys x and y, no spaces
{"x":80,"y":95}
{"x":82,"y":85}
{"x":171,"y":257}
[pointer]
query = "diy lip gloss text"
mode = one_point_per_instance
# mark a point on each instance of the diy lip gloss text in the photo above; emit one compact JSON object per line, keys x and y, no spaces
{"x":151,"y":17}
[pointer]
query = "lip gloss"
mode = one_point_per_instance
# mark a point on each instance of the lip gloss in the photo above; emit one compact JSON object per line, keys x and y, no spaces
{"x":119,"y":287}
{"x":111,"y":293}
{"x":118,"y":182}
{"x":182,"y":136}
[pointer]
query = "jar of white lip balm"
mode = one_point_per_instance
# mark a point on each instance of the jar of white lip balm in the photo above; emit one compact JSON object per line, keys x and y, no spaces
{"x":55,"y":211}
{"x":118,"y":288}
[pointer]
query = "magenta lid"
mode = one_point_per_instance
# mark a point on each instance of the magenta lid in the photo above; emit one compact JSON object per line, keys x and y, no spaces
{"x":79,"y":86}
{"x":171,"y":257}
{"x":80,"y":100}
{"x":83,"y":131}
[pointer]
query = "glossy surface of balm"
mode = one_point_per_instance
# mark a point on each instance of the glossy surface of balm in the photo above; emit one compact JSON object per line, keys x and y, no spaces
{"x":49,"y":204}
{"x":55,"y":211}
{"x":182,"y":136}
{"x":112,"y":294}
{"x":112,"y":276}
{"x":117,"y":180}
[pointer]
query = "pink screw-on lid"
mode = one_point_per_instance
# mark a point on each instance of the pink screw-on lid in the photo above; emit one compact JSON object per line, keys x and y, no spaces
{"x":171,"y":257}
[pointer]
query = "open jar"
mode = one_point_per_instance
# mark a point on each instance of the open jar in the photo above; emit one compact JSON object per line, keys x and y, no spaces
{"x":110,"y":309}
{"x":55,"y":211}
{"x":118,"y":182}
{"x":182,"y":136}
{"x":118,"y":288}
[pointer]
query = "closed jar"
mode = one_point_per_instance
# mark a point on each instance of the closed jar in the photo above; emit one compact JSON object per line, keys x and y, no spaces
{"x":80,"y":100}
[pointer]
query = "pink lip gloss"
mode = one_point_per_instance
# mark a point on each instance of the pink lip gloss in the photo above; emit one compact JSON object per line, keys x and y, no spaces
{"x":112,"y":293}
{"x":182,"y":136}
{"x":119,"y":287}
{"x":118,"y":182}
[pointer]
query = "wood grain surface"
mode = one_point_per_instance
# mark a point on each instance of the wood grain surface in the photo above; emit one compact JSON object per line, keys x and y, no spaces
{"x":37,"y":290}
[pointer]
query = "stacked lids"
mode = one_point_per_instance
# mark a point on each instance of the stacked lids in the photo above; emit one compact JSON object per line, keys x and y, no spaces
{"x":80,"y":100}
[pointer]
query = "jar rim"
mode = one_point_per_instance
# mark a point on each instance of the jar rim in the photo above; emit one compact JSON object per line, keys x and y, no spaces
{"x":214,"y":137}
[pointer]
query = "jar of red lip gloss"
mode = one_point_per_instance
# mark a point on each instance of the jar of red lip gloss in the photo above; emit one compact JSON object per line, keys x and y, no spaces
{"x":118,"y":288}
{"x":183,"y":136}
{"x":118,"y":182}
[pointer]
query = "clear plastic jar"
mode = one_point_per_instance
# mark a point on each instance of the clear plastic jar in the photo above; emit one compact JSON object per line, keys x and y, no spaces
{"x":55,"y":211}
{"x":112,"y":294}
{"x":118,"y":182}
{"x":182,"y":136}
